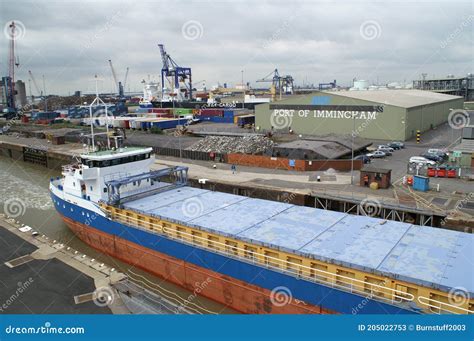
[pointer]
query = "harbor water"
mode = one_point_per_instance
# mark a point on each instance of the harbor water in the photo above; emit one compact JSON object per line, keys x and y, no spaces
{"x":24,"y":196}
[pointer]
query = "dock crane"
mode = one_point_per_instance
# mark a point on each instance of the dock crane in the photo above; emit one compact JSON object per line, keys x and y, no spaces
{"x":125,"y":79}
{"x":38,"y":90}
{"x":176,"y":76}
{"x":119,"y":86}
{"x":9,"y":81}
{"x":280,"y":84}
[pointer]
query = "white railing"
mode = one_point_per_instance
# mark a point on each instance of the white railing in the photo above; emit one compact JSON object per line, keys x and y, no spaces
{"x":71,"y":168}
{"x":437,"y":306}
{"x":334,"y":280}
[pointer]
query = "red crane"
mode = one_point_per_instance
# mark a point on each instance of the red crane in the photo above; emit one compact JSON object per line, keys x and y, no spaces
{"x":12,"y":62}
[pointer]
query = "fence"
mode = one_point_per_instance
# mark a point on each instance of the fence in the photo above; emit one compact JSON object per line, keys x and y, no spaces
{"x":288,"y":164}
{"x":190,"y":154}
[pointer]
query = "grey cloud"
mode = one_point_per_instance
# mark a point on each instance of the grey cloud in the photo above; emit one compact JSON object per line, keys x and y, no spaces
{"x":315,"y":41}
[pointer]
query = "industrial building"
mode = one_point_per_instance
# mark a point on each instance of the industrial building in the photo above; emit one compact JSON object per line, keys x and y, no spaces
{"x":459,"y":86}
{"x":20,"y":96}
{"x":377,"y":114}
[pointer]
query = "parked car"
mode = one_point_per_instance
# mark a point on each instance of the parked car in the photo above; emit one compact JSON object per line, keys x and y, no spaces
{"x":376,"y":154}
{"x":438,"y":152}
{"x":396,"y":145}
{"x":432,"y":157}
{"x":365,"y":159}
{"x":422,"y":160}
{"x":386,"y":149}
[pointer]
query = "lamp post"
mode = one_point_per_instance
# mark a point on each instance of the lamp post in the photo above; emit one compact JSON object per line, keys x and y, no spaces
{"x":243,"y":90}
{"x":352,"y":149}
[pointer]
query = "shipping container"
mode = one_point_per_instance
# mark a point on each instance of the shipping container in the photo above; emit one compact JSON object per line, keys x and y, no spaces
{"x":229,"y":113}
{"x":211,"y":112}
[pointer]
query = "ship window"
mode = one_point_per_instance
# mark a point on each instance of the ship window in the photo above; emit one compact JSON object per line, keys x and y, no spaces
{"x":105,"y":189}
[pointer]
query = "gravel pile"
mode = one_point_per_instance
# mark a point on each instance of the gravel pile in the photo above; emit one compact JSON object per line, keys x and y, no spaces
{"x":226,"y":144}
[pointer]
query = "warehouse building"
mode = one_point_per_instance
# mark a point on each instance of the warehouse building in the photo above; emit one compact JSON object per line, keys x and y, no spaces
{"x":377,"y":114}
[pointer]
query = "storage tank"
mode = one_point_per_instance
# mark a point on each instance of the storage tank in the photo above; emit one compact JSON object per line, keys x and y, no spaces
{"x":361,"y":85}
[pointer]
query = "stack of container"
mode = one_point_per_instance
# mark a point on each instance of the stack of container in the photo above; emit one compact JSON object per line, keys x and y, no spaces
{"x":44,"y":117}
{"x":83,"y":111}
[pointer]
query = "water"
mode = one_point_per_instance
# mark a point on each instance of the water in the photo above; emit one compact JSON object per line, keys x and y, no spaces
{"x":24,"y":195}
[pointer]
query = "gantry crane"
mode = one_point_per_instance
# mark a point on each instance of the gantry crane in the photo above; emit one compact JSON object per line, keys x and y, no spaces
{"x":280,"y":84}
{"x":179,"y":78}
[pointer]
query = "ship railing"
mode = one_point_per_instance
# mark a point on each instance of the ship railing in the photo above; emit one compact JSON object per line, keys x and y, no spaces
{"x":334,"y":280}
{"x":70,"y":168}
{"x":439,"y":307}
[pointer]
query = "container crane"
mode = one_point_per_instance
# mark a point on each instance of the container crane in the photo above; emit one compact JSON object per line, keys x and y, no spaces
{"x":280,"y":84}
{"x":178,"y":77}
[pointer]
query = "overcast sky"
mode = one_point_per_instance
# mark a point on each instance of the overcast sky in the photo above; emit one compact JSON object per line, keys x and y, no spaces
{"x":314,"y":41}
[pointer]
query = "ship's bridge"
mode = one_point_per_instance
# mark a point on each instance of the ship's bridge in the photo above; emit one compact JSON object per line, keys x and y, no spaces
{"x":114,"y":157}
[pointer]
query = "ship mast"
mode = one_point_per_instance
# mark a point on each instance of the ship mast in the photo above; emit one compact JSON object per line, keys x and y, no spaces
{"x":97,"y":101}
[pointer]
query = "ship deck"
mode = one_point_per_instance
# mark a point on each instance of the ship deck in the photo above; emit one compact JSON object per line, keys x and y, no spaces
{"x":423,"y":255}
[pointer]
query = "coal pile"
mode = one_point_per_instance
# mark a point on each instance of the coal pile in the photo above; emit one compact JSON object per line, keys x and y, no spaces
{"x":251,"y":144}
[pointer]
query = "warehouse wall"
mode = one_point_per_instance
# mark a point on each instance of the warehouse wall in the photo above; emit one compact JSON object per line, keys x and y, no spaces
{"x":427,"y":117}
{"x":389,"y":125}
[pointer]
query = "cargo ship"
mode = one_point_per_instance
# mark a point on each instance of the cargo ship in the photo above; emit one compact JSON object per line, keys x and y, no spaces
{"x":258,"y":256}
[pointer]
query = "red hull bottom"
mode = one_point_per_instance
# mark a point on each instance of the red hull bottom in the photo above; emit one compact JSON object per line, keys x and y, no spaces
{"x":238,"y":295}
